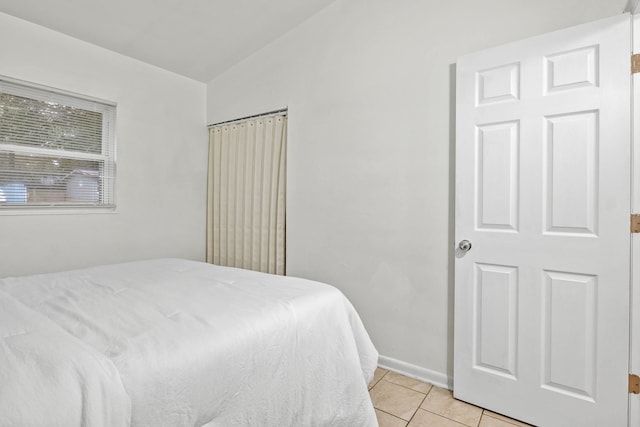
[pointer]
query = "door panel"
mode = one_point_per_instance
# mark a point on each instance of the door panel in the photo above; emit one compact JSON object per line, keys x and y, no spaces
{"x":569,"y":334}
{"x":496,"y":288}
{"x":542,"y":192}
{"x":570,"y":173}
{"x":497,"y":178}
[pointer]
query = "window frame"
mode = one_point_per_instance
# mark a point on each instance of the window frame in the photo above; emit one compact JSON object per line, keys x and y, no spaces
{"x":106,"y":158}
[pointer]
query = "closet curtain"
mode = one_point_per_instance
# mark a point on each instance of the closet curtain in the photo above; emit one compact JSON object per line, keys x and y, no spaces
{"x":246,"y":194}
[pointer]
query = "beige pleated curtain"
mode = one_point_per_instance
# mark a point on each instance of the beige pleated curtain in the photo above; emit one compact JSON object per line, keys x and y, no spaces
{"x":246,"y":200}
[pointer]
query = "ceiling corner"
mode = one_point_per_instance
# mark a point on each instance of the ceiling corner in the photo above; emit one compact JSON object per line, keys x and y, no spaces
{"x":633,"y":6}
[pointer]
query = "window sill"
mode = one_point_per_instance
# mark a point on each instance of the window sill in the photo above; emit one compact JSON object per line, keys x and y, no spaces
{"x":45,"y":210}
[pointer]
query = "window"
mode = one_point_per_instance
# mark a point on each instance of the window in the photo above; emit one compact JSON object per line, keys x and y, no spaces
{"x":57,"y":150}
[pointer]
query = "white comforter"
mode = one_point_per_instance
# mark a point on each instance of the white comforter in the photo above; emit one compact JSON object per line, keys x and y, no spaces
{"x":181,"y":343}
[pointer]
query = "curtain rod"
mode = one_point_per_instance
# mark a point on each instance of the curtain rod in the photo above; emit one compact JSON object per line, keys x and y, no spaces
{"x":255,"y":116}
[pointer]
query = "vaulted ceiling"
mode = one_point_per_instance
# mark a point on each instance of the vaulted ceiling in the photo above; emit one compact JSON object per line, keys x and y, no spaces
{"x":195,"y":38}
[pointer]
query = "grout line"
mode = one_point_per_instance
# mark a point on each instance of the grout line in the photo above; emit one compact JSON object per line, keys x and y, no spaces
{"x":408,"y":388}
{"x":394,"y":416}
{"x":482,"y":413}
{"x":504,"y":418}
{"x":371,"y":386}
{"x":417,"y":409}
{"x":450,"y":419}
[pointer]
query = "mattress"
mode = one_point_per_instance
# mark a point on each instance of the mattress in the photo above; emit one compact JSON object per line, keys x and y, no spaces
{"x":181,"y":343}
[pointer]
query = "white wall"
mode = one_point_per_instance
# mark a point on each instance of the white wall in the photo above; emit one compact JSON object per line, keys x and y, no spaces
{"x":369,"y":86}
{"x":161,"y":158}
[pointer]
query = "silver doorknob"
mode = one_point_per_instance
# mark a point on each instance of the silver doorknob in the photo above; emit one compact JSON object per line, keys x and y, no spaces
{"x":464,"y":245}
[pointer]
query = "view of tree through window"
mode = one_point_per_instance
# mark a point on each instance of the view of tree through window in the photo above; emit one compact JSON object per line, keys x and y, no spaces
{"x":54,"y":150}
{"x":59,"y":127}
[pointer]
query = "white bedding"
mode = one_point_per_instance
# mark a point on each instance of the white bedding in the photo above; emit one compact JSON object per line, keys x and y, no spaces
{"x":191,"y":343}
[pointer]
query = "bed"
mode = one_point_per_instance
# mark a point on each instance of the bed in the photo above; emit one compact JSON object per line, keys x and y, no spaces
{"x":180,"y":343}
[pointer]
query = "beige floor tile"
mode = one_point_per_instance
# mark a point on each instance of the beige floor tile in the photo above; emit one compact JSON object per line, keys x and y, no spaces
{"x":404,"y":381}
{"x":487,"y":421}
{"x":441,"y":402}
{"x":396,"y":400}
{"x":423,"y":418}
{"x":505,"y":419}
{"x":377,"y":376}
{"x":386,"y":420}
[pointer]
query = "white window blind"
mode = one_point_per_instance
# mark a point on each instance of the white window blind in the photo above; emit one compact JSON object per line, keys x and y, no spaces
{"x":57,"y":150}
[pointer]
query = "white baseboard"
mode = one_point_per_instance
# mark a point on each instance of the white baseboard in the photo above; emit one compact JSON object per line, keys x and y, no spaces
{"x":422,"y":374}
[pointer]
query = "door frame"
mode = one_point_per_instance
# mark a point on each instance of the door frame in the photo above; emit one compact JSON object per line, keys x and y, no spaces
{"x":634,"y":312}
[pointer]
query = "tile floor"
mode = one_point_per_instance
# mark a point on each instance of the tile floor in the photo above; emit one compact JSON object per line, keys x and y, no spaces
{"x":404,"y":402}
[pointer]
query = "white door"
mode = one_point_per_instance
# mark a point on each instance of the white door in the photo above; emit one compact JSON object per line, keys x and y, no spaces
{"x":542,"y":195}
